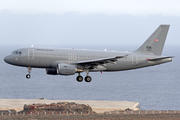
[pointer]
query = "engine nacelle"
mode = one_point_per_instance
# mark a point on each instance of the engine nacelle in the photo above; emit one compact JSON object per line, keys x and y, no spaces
{"x":51,"y":71}
{"x":65,"y":69}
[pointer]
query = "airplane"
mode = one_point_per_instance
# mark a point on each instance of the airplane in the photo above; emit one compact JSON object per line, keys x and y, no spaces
{"x":72,"y":61}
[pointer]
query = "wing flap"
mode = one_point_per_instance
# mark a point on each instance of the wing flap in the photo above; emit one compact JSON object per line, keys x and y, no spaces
{"x":102,"y":61}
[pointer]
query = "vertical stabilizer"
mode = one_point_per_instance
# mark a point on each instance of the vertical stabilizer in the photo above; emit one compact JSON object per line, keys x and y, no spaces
{"x":155,"y":43}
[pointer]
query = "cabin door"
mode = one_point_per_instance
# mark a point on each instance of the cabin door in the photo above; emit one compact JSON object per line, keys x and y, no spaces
{"x":30,"y":53}
{"x":134,"y":59}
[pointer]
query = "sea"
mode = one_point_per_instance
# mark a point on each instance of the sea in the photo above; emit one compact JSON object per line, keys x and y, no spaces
{"x":155,"y":88}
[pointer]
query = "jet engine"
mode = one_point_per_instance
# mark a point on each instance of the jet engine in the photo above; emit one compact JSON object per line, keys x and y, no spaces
{"x":66,"y":69}
{"x":51,"y":71}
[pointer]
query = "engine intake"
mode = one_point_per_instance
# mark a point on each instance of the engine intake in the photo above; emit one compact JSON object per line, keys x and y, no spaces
{"x":65,"y":69}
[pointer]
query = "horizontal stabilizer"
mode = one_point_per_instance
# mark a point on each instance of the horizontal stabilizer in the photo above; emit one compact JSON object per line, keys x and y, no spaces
{"x":161,"y":58}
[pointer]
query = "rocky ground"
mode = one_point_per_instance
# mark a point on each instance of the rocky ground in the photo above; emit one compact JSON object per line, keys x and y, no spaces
{"x":57,"y":111}
{"x":63,"y":107}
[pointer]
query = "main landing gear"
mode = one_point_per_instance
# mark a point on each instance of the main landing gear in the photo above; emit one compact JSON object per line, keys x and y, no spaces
{"x":29,"y":71}
{"x":79,"y":78}
{"x":87,"y":78}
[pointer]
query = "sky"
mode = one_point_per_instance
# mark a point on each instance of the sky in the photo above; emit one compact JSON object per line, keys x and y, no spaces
{"x":110,"y":7}
{"x":41,"y":22}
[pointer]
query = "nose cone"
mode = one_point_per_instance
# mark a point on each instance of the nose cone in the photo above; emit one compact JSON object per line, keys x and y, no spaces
{"x":8,"y":59}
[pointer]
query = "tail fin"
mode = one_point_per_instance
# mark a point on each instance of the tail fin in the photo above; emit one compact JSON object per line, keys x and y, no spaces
{"x":155,"y":43}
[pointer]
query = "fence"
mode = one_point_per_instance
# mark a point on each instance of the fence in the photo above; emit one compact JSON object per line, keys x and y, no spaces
{"x":88,"y":113}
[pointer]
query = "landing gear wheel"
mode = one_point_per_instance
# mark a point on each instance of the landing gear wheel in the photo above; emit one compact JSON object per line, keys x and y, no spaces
{"x":79,"y":78}
{"x":88,"y":79}
{"x":28,"y":76}
{"x":29,"y":71}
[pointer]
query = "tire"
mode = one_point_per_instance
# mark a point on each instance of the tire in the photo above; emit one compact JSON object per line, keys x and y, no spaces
{"x":88,"y":79}
{"x":28,"y":76}
{"x":79,"y":78}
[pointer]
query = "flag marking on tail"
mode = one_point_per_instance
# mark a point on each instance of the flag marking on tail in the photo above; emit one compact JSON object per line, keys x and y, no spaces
{"x":156,"y":40}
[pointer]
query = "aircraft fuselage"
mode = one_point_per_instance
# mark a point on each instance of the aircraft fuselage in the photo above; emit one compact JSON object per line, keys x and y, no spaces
{"x":49,"y":58}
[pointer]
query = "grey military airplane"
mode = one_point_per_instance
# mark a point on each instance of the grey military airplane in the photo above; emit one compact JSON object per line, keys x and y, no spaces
{"x":71,"y":61}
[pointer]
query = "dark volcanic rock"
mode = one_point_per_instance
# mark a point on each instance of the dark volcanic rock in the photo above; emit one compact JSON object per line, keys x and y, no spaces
{"x":69,"y":107}
{"x":7,"y":111}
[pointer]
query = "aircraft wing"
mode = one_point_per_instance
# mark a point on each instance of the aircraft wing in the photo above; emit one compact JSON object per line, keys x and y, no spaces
{"x":161,"y":58}
{"x":101,"y":61}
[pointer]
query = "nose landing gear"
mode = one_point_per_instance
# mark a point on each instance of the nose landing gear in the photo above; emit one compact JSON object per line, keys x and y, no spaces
{"x":28,"y":76}
{"x":29,"y":71}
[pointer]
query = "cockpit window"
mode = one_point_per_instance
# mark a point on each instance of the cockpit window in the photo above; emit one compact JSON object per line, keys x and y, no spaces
{"x":14,"y":52}
{"x":17,"y":52}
